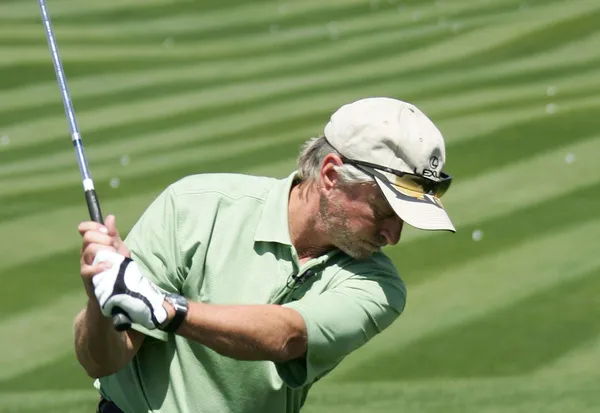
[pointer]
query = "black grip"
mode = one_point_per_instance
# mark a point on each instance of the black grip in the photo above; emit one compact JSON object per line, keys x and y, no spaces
{"x":120,"y":320}
{"x":93,"y":206}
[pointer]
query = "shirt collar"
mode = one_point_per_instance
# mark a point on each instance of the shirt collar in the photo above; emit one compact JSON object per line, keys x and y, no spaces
{"x":274,"y":224}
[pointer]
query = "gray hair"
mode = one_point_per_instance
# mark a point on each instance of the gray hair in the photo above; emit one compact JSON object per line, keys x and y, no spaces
{"x":311,"y":156}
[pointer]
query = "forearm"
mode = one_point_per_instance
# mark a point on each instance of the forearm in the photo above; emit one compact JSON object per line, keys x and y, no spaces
{"x":249,"y":332}
{"x":100,"y":349}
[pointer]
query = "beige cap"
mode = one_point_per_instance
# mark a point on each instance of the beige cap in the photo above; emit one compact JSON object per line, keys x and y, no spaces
{"x":394,"y":135}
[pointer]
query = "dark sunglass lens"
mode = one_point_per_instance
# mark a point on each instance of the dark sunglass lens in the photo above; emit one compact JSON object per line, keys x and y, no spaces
{"x":443,"y":187}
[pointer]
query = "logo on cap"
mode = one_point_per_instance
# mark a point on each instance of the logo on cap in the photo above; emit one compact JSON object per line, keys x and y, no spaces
{"x":434,"y":162}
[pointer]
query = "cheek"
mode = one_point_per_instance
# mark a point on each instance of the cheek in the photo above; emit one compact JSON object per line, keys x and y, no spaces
{"x":362,"y":219}
{"x":353,"y":214}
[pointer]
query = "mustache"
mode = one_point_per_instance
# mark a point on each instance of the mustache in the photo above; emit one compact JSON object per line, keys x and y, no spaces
{"x":379,"y":241}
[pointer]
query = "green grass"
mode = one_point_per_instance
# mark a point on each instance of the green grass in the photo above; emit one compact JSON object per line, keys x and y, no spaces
{"x":505,"y":324}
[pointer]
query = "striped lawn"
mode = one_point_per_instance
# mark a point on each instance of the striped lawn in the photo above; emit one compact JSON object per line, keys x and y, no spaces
{"x":164,"y":89}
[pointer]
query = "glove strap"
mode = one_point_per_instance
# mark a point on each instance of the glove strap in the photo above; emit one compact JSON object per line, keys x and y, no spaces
{"x":180,"y":305}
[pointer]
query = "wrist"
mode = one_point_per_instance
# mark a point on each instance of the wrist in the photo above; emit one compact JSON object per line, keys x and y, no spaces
{"x":88,"y":285}
{"x":176,"y":306}
{"x":170,"y":313}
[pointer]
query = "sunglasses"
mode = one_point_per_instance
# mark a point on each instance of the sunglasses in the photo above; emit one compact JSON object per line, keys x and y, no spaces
{"x":413,"y":184}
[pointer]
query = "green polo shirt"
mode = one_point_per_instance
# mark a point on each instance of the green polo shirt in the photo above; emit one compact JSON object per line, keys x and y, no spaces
{"x":223,"y":239}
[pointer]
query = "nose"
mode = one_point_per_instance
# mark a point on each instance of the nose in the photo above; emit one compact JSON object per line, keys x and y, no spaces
{"x":392,"y":229}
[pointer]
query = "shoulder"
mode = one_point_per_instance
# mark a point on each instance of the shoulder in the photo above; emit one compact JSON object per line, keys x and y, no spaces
{"x":375,"y":276}
{"x":378,"y":264}
{"x":223,"y":184}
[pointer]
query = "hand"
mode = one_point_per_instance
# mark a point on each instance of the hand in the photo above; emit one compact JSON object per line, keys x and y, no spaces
{"x":124,"y":287}
{"x":98,"y":237}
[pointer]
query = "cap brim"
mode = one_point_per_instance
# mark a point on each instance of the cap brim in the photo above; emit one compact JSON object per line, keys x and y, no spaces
{"x":425,"y":213}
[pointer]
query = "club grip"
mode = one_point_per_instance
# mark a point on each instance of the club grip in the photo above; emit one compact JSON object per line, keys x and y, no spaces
{"x":93,"y":206}
{"x":120,"y":320}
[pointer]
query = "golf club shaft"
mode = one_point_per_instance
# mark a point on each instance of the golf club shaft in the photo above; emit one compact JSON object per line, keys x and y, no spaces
{"x":120,"y":321}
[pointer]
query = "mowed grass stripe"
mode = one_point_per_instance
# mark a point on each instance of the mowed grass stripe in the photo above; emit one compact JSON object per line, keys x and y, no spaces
{"x":498,"y":233}
{"x":476,"y":125}
{"x":145,"y":86}
{"x":15,"y":10}
{"x":364,"y":31}
{"x":64,"y":266}
{"x":302,"y":84}
{"x":70,"y":9}
{"x":184,"y":136}
{"x":559,"y":33}
{"x":278,"y":32}
{"x":498,"y":395}
{"x":482,"y":286}
{"x":89,"y":84}
{"x":36,"y":337}
{"x":148,"y":164}
{"x":482,"y":155}
{"x":461,"y":46}
{"x":23,"y":73}
{"x":514,"y":340}
{"x":582,"y":360}
{"x":49,"y":95}
{"x":237,"y":18}
{"x":35,"y":132}
{"x":49,"y":126}
{"x":89,"y":92}
{"x":475,"y":156}
{"x":27,"y":133}
{"x":49,"y":198}
{"x":217,"y":103}
{"x":48,"y":401}
{"x":243,"y":19}
{"x":62,"y":373}
{"x":68,"y":195}
{"x":506,"y":190}
{"x":552,"y":89}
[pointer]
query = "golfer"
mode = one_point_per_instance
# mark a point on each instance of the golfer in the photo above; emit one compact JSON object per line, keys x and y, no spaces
{"x":244,"y":291}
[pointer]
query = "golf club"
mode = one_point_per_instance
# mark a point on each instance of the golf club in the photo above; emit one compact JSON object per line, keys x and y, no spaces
{"x":120,"y":320}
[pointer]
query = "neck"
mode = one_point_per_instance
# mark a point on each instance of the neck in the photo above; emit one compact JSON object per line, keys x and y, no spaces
{"x":303,"y":221}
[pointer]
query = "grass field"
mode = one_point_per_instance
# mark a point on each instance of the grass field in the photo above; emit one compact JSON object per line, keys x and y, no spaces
{"x":501,"y":317}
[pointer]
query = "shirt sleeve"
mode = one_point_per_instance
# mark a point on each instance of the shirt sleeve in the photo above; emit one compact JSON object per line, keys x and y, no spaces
{"x":154,"y":247}
{"x":341,"y":320}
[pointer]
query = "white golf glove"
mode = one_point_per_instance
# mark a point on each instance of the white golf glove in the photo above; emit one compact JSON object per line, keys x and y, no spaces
{"x":123,"y":286}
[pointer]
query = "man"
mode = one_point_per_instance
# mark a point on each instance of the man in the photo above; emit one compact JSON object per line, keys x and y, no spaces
{"x":244,"y":291}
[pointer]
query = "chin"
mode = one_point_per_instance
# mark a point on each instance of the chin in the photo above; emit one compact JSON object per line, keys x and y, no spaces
{"x":358,"y":254}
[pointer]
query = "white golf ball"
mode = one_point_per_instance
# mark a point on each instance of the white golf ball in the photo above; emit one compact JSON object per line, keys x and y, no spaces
{"x":477,"y":235}
{"x":115,"y":182}
{"x":5,"y":140}
{"x":125,"y":160}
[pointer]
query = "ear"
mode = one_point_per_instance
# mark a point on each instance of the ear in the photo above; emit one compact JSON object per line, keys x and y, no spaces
{"x":329,"y":177}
